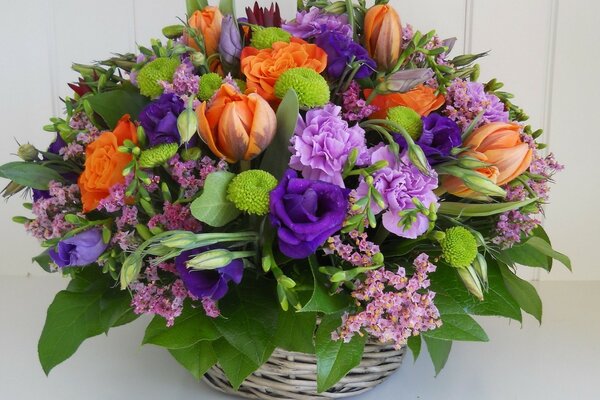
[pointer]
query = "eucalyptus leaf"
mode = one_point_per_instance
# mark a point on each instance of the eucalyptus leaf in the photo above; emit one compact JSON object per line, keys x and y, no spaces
{"x":33,"y":175}
{"x":212,"y":207}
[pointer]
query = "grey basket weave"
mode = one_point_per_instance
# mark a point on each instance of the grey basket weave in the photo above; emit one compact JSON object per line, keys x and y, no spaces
{"x":289,"y":375}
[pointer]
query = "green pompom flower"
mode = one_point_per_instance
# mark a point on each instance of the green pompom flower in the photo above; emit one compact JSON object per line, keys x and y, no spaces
{"x":149,"y":77}
{"x":459,"y":247}
{"x":209,"y":84}
{"x":263,"y":38}
{"x":157,"y":155}
{"x":407,"y":118}
{"x":249,"y":191}
{"x":309,"y":85}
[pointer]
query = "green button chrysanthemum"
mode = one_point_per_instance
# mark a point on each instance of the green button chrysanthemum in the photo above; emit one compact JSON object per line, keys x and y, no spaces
{"x":249,"y":191}
{"x":157,"y":155}
{"x":149,"y":77}
{"x":209,"y":84}
{"x":309,"y":85}
{"x":459,"y":247}
{"x":263,"y":38}
{"x":407,"y":118}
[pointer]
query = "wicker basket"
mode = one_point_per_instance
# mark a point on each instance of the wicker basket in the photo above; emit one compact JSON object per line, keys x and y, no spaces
{"x":288,"y":375}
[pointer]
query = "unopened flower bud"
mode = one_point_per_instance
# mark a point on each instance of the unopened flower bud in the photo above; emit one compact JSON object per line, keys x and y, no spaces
{"x":27,"y":152}
{"x":211,"y":259}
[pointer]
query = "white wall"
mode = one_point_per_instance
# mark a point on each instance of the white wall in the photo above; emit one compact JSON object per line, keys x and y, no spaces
{"x":546,"y":51}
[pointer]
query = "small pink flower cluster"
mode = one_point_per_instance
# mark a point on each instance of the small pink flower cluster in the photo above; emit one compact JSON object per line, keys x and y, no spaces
{"x":175,"y":217}
{"x":359,"y":254}
{"x":190,"y":175}
{"x":395,"y":307}
{"x":50,"y":212}
{"x":355,"y":108}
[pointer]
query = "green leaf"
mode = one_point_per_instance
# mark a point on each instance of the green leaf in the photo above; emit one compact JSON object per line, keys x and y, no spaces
{"x":71,"y":318}
{"x":414,"y":344}
{"x":523,"y":292}
{"x":33,"y":175}
{"x":233,"y":362}
{"x":197,"y":359}
{"x":43,"y":260}
{"x":115,"y":309}
{"x":480,"y":210}
{"x":457,"y":324}
{"x":191,"y":327}
{"x":212,"y":207}
{"x":439,"y":350}
{"x":276,"y":157}
{"x":195,"y":5}
{"x":249,"y":319}
{"x":295,"y":331}
{"x":334,"y":357}
{"x":535,"y":252}
{"x":321,"y":300}
{"x":112,"y":105}
{"x":227,"y":7}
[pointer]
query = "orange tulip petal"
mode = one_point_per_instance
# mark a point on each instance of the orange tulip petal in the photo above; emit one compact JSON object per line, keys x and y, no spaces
{"x":263,"y":127}
{"x":232,"y":134}
{"x":206,"y":132}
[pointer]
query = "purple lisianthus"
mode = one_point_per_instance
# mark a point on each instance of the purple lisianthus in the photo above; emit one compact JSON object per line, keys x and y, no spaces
{"x":212,"y":283}
{"x":79,"y":250}
{"x":314,"y":22}
{"x":341,"y":50}
{"x":305,"y":213}
{"x":399,"y":183}
{"x":440,"y":135}
{"x":322,"y":143}
{"x":159,"y":119}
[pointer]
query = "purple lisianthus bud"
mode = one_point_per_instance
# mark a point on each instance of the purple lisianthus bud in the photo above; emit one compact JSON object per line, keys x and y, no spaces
{"x":211,"y":283}
{"x":230,"y":43}
{"x":159,"y":119}
{"x":440,"y":135}
{"x":403,"y":81}
{"x":341,"y":50}
{"x":306,"y":213}
{"x":79,"y":250}
{"x":58,"y":144}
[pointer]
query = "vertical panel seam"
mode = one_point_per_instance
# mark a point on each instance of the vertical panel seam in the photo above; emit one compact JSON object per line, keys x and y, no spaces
{"x":52,"y":60}
{"x":135,"y":27}
{"x":468,"y":30}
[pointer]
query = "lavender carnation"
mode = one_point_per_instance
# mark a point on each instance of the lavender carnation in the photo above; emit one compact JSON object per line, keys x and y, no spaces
{"x":322,"y":144}
{"x":314,"y":22}
{"x":465,"y":100}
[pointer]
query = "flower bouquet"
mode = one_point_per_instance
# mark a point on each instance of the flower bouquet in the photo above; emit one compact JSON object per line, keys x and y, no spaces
{"x":319,"y":186}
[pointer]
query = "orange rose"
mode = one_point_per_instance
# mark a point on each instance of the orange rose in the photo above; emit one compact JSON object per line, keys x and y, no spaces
{"x":422,"y":99}
{"x":207,"y":24}
{"x":383,"y":35}
{"x":236,"y":126}
{"x":263,"y":67}
{"x":500,"y":145}
{"x":104,"y":164}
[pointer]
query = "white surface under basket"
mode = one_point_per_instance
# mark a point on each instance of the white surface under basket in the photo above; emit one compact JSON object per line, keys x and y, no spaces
{"x":289,"y":375}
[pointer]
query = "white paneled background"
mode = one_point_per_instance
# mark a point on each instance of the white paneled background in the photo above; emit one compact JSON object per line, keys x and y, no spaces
{"x":546,"y":51}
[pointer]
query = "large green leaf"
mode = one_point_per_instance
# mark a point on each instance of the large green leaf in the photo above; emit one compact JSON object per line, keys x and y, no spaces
{"x":321,"y":300}
{"x":197,"y":359}
{"x":249,"y":323}
{"x":212,"y":207}
{"x":456,"y":323}
{"x":523,"y":292}
{"x":44,"y":261}
{"x":414,"y":344}
{"x":480,"y":210}
{"x":233,"y":362}
{"x":276,"y":157}
{"x":191,"y":327}
{"x":295,"y":331}
{"x":439,"y":350}
{"x":112,"y":105}
{"x":33,"y":175}
{"x":194,"y":5}
{"x":71,"y":318}
{"x":535,"y":251}
{"x":335,"y":358}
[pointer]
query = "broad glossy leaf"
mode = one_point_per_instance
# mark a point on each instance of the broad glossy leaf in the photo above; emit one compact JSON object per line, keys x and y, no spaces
{"x":197,"y":359}
{"x":212,"y":207}
{"x":414,"y":344}
{"x":33,"y":175}
{"x":479,"y":210}
{"x":439,"y":350}
{"x":321,"y":300}
{"x":536,"y":252}
{"x":112,"y":105}
{"x":233,"y":362}
{"x":335,"y":358}
{"x":457,"y":324}
{"x":44,"y":261}
{"x":295,"y":331}
{"x":523,"y":292}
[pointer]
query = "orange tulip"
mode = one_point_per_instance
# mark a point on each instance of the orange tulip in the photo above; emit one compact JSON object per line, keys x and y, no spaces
{"x":383,"y":35}
{"x":236,"y":126}
{"x":500,"y":145}
{"x":422,"y":99}
{"x":207,"y":24}
{"x":104,"y":163}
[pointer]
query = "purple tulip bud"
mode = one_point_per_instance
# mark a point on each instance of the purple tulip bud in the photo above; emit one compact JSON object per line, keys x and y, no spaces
{"x":230,"y":43}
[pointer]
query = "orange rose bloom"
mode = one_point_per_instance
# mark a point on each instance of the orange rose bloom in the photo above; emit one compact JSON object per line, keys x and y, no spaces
{"x":236,"y":126}
{"x":383,"y":35}
{"x":422,"y":99}
{"x":104,"y":163}
{"x":207,"y":24}
{"x":263,"y":67}
{"x":499,"y":144}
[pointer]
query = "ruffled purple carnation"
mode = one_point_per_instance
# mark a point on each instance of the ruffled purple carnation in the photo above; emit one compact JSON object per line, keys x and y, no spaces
{"x":399,"y":183}
{"x":440,"y":135}
{"x":314,"y":22}
{"x":322,"y":143}
{"x":466,"y":100}
{"x":342,"y":50}
{"x":159,"y":119}
{"x":306,"y":213}
{"x":212,"y":283}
